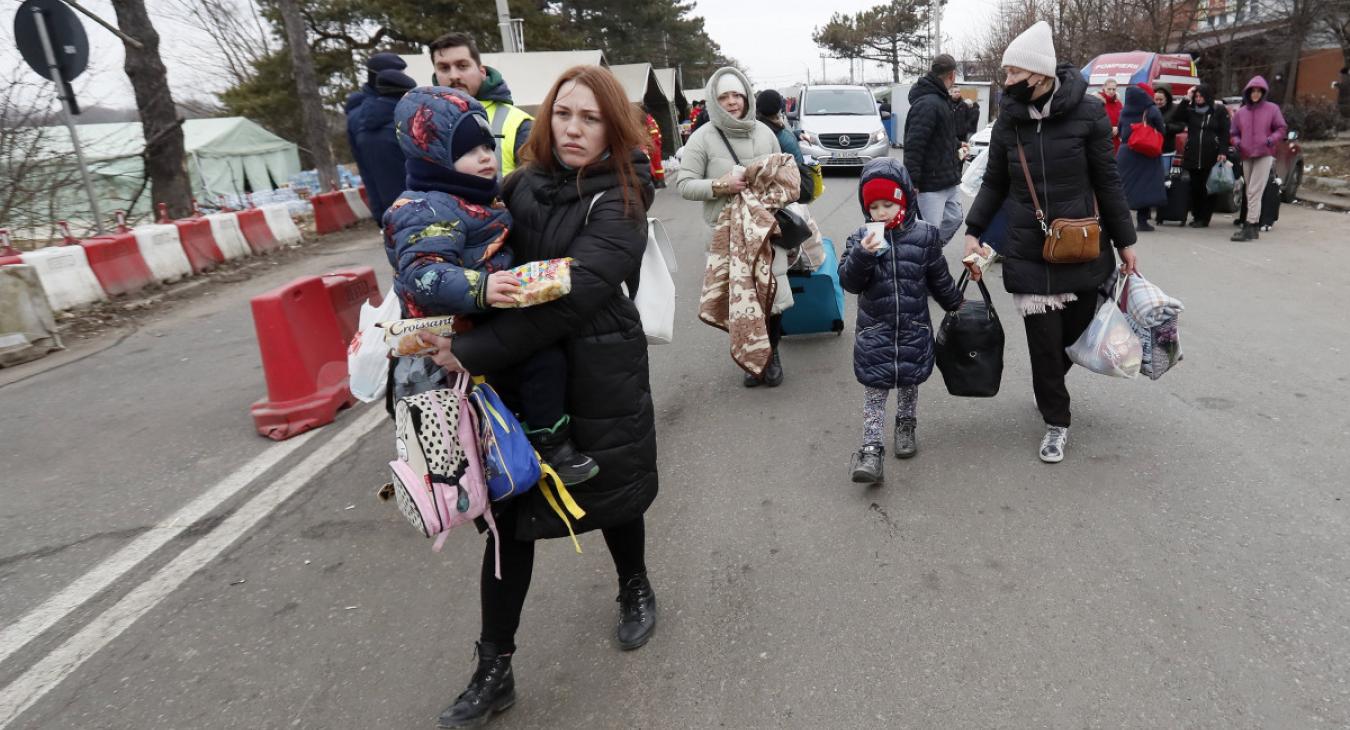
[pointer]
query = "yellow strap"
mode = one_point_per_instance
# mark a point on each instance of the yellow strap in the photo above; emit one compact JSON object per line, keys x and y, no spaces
{"x":572,"y":506}
{"x":487,"y":405}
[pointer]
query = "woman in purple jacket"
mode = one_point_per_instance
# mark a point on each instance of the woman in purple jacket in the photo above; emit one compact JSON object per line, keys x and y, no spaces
{"x":1257,"y":127}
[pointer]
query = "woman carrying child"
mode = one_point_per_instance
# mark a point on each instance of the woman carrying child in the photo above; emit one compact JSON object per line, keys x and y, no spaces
{"x":583,"y":193}
{"x":893,"y":275}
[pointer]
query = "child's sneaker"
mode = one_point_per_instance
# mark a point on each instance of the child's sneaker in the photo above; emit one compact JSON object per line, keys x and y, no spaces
{"x":906,"y":443}
{"x":556,"y":449}
{"x":867,"y":464}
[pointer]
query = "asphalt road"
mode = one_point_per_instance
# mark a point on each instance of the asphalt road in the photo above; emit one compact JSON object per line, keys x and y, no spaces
{"x":1185,"y":566}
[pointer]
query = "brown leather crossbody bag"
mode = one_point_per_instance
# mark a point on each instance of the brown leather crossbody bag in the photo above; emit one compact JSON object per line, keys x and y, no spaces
{"x":1067,"y":240}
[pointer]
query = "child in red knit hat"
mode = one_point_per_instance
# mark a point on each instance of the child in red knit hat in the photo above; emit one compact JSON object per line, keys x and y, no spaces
{"x":893,"y":271}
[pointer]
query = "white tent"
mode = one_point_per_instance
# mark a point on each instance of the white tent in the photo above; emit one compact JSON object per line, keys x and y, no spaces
{"x":529,"y":75}
{"x":673,"y":86}
{"x":225,"y":156}
{"x":640,"y":83}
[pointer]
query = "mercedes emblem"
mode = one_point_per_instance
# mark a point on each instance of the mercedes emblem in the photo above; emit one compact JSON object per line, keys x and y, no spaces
{"x":843,"y":140}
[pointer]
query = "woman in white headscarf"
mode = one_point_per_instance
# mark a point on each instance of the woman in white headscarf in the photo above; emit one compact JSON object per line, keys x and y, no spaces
{"x":708,"y":173}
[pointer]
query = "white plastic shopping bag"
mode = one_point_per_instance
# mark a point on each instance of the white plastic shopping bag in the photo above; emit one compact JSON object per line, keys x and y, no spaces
{"x":973,"y":177}
{"x":368,"y":353}
{"x":655,"y":298}
{"x":1108,"y":346}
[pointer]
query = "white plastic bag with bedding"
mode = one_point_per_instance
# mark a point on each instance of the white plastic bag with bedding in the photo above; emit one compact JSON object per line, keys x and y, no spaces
{"x":1108,"y":346}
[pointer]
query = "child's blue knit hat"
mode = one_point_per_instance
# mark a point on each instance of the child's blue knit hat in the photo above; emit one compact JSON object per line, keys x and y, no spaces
{"x":439,"y":125}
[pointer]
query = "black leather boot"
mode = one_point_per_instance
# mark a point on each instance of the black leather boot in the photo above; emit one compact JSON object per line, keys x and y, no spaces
{"x":773,"y":374}
{"x":555,"y":447}
{"x":637,"y":611}
{"x":491,"y":690}
{"x":1246,"y":233}
{"x":906,"y":443}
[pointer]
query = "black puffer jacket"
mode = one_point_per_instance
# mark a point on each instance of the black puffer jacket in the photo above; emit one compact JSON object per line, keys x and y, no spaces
{"x":1070,"y":156}
{"x":608,"y":392}
{"x":894,"y":341}
{"x":1207,"y":135}
{"x":931,"y":143}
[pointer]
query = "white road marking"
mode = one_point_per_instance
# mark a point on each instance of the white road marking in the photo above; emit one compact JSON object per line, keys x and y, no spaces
{"x":52,"y":669}
{"x":17,"y":635}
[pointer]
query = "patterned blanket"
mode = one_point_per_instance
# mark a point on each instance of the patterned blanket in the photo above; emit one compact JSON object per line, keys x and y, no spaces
{"x":739,"y":284}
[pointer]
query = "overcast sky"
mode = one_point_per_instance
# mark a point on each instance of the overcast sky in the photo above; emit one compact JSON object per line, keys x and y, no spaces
{"x":772,"y":38}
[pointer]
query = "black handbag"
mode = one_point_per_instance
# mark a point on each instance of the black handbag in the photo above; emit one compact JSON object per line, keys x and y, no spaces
{"x":792,"y":228}
{"x":969,"y":347}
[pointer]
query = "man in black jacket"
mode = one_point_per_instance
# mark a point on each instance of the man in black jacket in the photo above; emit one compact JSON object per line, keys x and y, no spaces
{"x":931,"y":146}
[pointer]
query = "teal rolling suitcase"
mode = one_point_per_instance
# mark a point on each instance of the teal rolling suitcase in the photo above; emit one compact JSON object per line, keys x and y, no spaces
{"x":818,"y":300}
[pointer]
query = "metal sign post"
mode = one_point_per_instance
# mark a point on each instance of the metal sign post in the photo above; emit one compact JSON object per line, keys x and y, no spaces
{"x":40,"y":20}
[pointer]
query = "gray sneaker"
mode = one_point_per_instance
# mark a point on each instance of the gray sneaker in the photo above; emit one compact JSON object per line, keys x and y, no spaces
{"x":867,"y":464}
{"x":1052,"y":445}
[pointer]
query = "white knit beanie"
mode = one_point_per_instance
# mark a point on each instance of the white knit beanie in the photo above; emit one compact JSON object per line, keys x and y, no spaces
{"x":1034,"y":50}
{"x":731,"y":82}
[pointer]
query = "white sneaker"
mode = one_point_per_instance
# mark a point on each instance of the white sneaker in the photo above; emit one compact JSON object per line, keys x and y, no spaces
{"x":1052,"y":445}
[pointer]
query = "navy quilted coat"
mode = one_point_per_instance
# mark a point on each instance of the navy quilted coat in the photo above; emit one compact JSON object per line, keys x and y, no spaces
{"x":894,"y":341}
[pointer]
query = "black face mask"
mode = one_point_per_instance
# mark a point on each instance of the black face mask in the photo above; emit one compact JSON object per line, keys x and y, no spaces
{"x":1020,"y":91}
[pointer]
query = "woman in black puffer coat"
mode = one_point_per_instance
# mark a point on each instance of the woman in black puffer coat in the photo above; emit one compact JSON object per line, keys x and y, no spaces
{"x":1067,"y":142}
{"x":1207,"y":143}
{"x":583,"y":193}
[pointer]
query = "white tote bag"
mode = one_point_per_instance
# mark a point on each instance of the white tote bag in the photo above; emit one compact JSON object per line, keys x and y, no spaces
{"x":655,"y":298}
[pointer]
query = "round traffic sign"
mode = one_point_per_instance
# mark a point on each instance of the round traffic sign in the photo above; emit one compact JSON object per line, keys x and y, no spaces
{"x":69,"y":42}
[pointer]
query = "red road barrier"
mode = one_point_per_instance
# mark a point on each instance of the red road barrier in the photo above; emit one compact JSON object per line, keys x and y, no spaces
{"x":67,"y":238}
{"x":331,"y":212}
{"x":117,"y":263}
{"x":304,"y":358}
{"x":253,"y":222}
{"x":348,"y":289}
{"x":7,"y":250}
{"x":199,"y":244}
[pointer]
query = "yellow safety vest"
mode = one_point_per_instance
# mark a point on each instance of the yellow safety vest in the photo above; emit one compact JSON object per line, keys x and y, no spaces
{"x":505,"y":120}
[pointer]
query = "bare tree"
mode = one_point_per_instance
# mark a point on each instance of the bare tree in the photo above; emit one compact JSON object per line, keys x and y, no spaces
{"x":163,"y":130}
{"x":1302,"y":19}
{"x":240,"y":36}
{"x":307,"y":87}
{"x":32,"y":175}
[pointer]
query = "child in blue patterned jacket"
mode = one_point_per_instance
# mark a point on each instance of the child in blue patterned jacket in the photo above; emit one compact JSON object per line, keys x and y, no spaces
{"x":446,"y":239}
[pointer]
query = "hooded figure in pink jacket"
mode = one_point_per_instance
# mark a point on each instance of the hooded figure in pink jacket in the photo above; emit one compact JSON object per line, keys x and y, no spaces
{"x":1257,"y":127}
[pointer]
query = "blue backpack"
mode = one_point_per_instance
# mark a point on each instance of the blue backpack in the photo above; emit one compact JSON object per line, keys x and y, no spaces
{"x":510,"y":463}
{"x":511,"y":466}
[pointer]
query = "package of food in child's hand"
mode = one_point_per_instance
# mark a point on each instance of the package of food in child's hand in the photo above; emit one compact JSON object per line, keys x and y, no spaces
{"x":402,"y":335}
{"x":541,"y":281}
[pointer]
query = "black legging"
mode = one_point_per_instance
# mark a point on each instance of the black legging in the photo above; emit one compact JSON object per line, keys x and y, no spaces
{"x":502,"y":600}
{"x":775,"y":330}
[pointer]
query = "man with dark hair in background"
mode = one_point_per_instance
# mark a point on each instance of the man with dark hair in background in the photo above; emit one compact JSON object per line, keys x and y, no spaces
{"x":932,"y":147}
{"x":459,"y":65}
